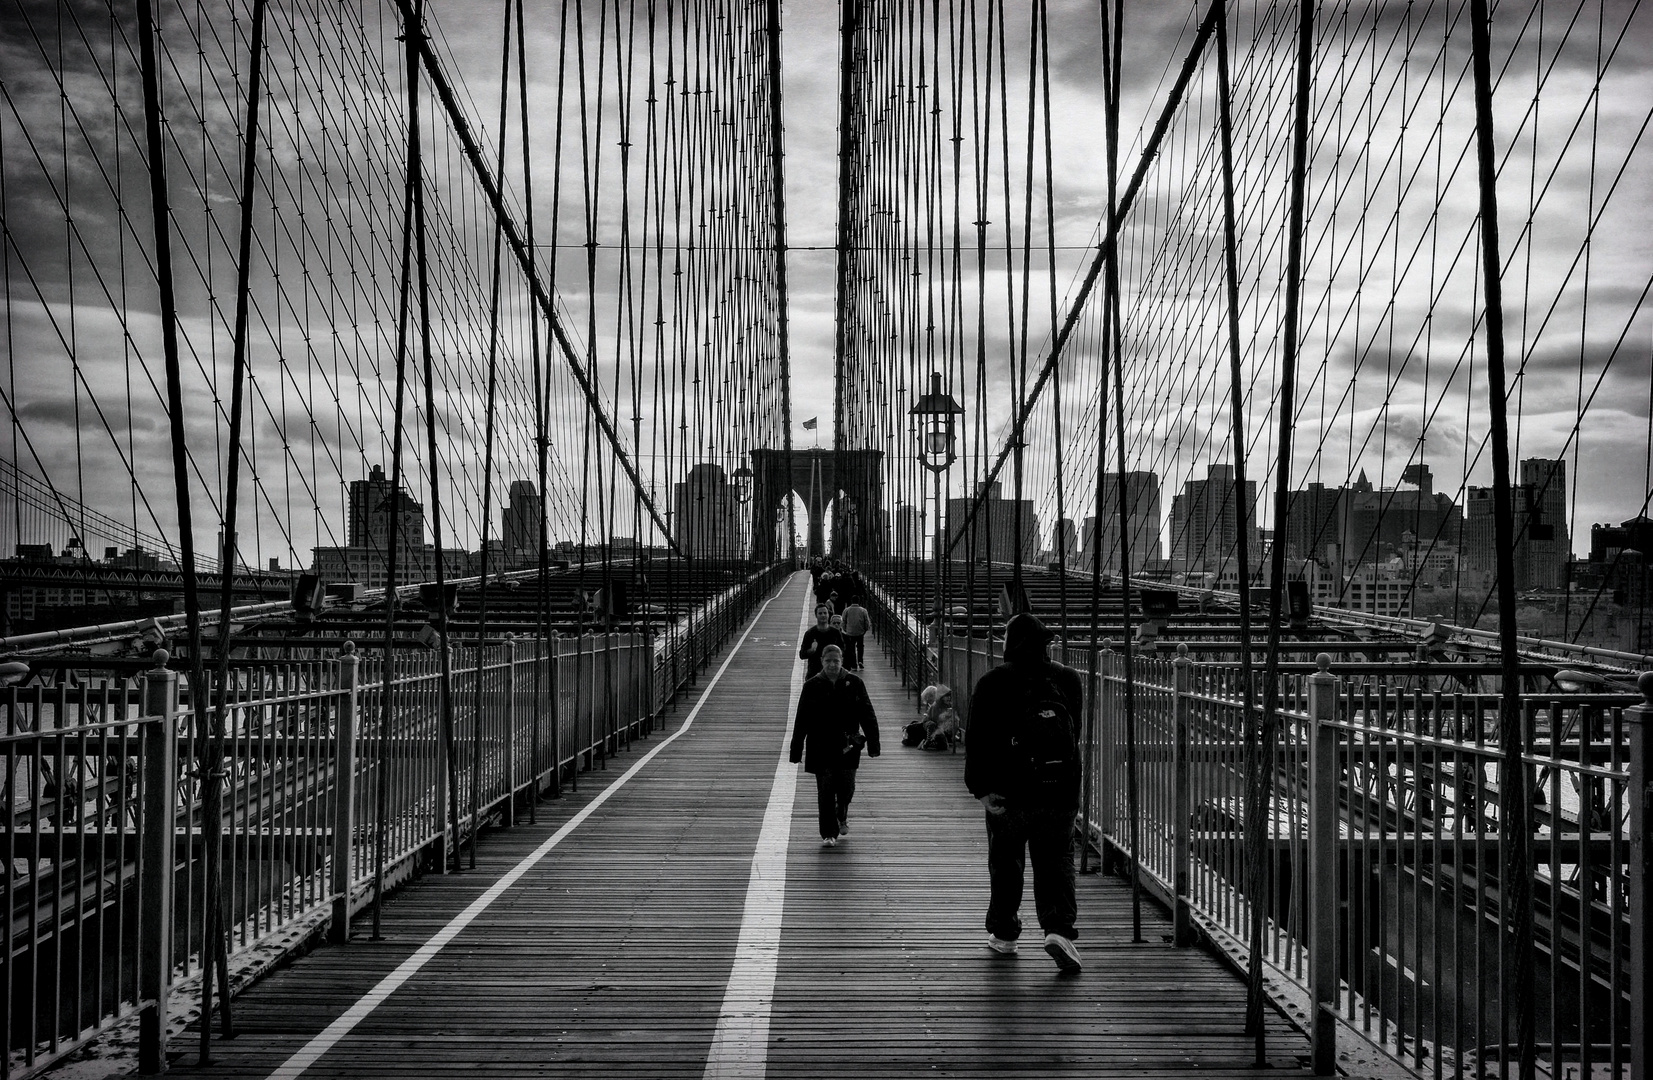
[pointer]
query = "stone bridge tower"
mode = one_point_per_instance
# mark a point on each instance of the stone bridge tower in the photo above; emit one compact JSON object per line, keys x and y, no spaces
{"x":851,"y":482}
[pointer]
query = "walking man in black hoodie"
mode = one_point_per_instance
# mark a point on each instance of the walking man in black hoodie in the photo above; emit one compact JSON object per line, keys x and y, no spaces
{"x":835,"y":719}
{"x":1022,"y":763}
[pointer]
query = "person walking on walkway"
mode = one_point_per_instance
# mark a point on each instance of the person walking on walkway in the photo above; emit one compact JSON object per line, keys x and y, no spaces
{"x":856,"y":624}
{"x":835,"y":720}
{"x":1022,"y":762}
{"x":817,"y":638}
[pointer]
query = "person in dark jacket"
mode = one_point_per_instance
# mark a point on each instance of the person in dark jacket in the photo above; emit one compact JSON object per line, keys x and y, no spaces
{"x":1030,"y":808}
{"x":817,"y":638}
{"x":835,"y":717}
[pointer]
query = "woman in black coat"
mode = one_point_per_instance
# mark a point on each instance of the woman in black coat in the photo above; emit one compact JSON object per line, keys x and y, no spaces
{"x":835,"y":719}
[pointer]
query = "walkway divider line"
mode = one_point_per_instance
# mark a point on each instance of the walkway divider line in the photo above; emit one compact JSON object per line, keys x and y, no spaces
{"x":740,"y":1045}
{"x":338,"y":1029}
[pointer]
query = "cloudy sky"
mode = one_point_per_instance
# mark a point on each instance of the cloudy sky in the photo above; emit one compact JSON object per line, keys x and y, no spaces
{"x":1391,"y":356}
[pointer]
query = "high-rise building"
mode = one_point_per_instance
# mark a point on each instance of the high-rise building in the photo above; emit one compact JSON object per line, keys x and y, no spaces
{"x":1142,"y":523}
{"x":1375,"y":525}
{"x":707,"y":514}
{"x":907,"y":541}
{"x":1539,"y":513}
{"x":1314,"y":522}
{"x":1064,"y":542}
{"x":522,"y":523}
{"x":992,"y":533}
{"x":376,"y":507}
{"x":376,"y":510}
{"x":1205,"y":523}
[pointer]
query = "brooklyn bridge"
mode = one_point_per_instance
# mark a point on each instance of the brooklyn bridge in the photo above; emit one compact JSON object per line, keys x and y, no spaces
{"x":433,"y":426}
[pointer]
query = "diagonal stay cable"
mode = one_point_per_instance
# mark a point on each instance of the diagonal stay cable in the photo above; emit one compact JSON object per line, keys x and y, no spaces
{"x":1109,"y":240}
{"x":525,"y":258}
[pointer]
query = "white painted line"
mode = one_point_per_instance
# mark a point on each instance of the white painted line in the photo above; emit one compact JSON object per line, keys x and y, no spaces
{"x":338,"y":1029}
{"x":740,"y":1045}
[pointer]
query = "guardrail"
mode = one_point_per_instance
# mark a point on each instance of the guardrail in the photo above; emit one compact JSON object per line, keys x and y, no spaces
{"x":324,"y":789}
{"x":902,"y":637}
{"x":1384,"y":853}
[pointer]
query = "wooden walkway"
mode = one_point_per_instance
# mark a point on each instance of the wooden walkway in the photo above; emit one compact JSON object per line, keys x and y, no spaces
{"x":612,"y":955}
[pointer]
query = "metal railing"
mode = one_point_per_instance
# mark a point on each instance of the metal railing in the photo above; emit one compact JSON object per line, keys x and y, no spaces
{"x":902,"y":637}
{"x":1381,"y":908}
{"x":105,"y":830}
{"x":91,"y":783}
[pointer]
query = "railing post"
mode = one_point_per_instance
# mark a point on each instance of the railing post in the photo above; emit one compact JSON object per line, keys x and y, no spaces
{"x":509,"y":728}
{"x":444,"y":842}
{"x":1323,"y":896}
{"x":160,"y":808}
{"x":1182,"y":813}
{"x":1104,"y":768}
{"x":552,"y":704}
{"x":344,"y":792}
{"x":1636,"y":721}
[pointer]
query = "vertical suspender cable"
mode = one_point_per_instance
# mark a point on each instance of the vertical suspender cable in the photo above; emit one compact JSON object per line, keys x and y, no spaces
{"x":1056,"y":389}
{"x":849,"y":159}
{"x":1231,"y":269}
{"x":1260,"y":757}
{"x":1114,"y":348}
{"x":159,"y":201}
{"x":777,"y":154}
{"x":488,"y":459}
{"x":387,"y":711}
{"x":546,"y":690}
{"x":212,"y":764}
{"x":444,"y":658}
{"x":1098,"y":678}
{"x":1515,"y":873}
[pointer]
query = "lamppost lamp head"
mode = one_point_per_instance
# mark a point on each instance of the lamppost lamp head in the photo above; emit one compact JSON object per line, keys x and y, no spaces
{"x":937,"y":414}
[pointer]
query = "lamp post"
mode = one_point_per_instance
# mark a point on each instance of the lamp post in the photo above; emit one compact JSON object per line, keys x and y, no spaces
{"x":937,"y":417}
{"x":743,"y":479}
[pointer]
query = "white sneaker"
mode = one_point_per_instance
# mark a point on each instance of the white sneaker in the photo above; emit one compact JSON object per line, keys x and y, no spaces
{"x":1001,"y":945}
{"x":1064,"y":952}
{"x":829,"y":841}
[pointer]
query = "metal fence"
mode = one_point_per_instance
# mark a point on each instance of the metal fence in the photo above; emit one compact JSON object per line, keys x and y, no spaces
{"x":331,"y":775}
{"x":91,"y":793}
{"x":1384,"y":853}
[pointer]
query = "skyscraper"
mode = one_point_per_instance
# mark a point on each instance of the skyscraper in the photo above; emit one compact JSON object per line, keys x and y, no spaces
{"x":1143,"y":523}
{"x":907,"y":543}
{"x":1064,"y":542}
{"x":992,"y":533}
{"x":1539,"y":513}
{"x":1541,"y":506}
{"x":522,"y":523}
{"x":376,"y":507}
{"x":1205,"y":523}
{"x":707,"y":514}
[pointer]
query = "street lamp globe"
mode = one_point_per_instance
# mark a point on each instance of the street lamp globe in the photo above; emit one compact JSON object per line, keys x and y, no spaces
{"x":937,"y":417}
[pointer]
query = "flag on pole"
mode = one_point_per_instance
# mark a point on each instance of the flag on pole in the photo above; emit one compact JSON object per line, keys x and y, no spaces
{"x":809,"y":425}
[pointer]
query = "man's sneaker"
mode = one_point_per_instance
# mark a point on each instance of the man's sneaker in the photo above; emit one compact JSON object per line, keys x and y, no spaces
{"x":1064,"y":952}
{"x":1001,"y":945}
{"x":843,"y":829}
{"x":829,"y":841}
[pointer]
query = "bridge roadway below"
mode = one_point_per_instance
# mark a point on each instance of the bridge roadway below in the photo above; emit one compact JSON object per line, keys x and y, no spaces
{"x":677,"y":917}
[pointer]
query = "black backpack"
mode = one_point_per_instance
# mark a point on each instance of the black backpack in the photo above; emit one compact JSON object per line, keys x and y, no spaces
{"x":1044,"y":753}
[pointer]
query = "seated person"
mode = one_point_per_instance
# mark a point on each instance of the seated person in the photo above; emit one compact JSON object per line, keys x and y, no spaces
{"x":938,"y":724}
